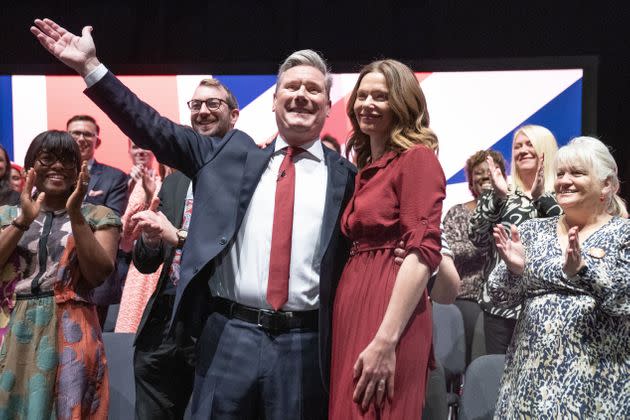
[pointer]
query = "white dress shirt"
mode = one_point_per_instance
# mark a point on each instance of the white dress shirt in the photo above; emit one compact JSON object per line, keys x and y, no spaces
{"x":242,"y":270}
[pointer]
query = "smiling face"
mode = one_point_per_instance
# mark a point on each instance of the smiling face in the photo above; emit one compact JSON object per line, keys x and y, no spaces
{"x":577,"y":187}
{"x":525,"y":156}
{"x":55,"y":176}
{"x":480,"y":179}
{"x":212,"y":122}
{"x":84,"y":133}
{"x":371,"y":107}
{"x":301,"y":104}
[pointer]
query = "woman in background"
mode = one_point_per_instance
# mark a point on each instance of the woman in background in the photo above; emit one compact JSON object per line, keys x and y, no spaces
{"x":144,"y":183}
{"x":570,"y":356}
{"x":530,"y":196}
{"x":8,"y":196}
{"x":382,"y":333}
{"x":469,"y":259}
{"x":57,"y":250}
{"x":17,"y":177}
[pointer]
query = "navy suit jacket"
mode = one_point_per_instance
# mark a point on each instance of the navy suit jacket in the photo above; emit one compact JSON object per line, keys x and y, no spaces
{"x":225,"y":173}
{"x":108,"y":187}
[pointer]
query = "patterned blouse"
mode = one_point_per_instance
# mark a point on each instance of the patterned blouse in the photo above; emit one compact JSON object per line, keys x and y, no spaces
{"x":570,"y":354}
{"x":468,"y":258}
{"x":50,"y":232}
{"x":491,"y":210}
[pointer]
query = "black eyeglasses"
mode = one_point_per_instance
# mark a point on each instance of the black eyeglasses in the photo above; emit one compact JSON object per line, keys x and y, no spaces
{"x":86,"y":134}
{"x":211,"y":103}
{"x":49,"y":159}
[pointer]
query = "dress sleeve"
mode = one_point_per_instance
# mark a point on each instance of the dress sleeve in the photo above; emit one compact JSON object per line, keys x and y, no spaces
{"x":7,"y":214}
{"x":100,"y":217}
{"x":487,"y":213}
{"x":421,"y":190}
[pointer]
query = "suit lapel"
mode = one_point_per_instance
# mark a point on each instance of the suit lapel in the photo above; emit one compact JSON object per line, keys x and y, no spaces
{"x":337,"y":179}
{"x":254,"y":166}
{"x":95,"y":175}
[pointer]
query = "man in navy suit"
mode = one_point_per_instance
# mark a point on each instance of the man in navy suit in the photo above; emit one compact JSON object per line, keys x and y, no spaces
{"x":252,"y":360}
{"x":107,"y":187}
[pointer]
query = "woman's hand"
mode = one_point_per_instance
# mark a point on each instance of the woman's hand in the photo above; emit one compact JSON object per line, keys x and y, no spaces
{"x":73,"y":204}
{"x":499,"y":183}
{"x":573,"y":261}
{"x":374,"y":369}
{"x":148,"y":184}
{"x":30,"y":208}
{"x":538,"y":187}
{"x":510,"y":250}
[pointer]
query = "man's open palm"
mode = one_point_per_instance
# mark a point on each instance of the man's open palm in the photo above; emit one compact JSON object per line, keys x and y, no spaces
{"x":78,"y":53}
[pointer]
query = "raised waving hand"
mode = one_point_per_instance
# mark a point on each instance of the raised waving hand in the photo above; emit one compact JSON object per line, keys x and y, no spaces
{"x":78,"y":53}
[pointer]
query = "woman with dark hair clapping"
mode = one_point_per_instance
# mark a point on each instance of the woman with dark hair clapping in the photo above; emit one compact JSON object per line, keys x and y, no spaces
{"x":56,"y":250}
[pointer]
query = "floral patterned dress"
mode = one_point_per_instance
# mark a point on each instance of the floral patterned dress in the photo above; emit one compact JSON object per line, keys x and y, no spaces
{"x":52,"y":362}
{"x":570,"y":355}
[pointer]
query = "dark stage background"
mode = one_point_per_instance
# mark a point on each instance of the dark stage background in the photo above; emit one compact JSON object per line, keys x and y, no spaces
{"x":254,"y":36}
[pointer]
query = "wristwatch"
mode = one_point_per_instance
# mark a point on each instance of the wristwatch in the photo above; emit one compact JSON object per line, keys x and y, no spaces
{"x":181,"y":237}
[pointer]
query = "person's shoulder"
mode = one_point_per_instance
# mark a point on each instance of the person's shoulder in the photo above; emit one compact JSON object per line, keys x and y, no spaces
{"x":98,"y":216}
{"x":337,"y":159}
{"x":110,"y":169}
{"x":539,"y":223}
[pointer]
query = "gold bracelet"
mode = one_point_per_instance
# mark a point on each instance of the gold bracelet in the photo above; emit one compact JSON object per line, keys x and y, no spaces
{"x":20,"y":226}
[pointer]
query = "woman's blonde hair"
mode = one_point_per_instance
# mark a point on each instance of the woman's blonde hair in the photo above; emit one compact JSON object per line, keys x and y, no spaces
{"x":595,"y":155}
{"x":410,"y":117}
{"x":545,"y":143}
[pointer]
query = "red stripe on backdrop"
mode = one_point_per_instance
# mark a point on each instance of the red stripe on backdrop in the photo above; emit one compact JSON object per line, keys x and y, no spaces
{"x":65,"y":98}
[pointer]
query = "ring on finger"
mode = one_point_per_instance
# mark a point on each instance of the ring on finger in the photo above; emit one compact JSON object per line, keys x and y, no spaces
{"x":381,"y":384}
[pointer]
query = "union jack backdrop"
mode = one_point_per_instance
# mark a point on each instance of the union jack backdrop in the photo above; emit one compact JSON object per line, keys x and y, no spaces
{"x":469,"y":110}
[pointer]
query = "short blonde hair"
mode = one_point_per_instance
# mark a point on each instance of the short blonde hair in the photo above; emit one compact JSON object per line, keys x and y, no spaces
{"x":545,"y":143}
{"x":595,"y":155}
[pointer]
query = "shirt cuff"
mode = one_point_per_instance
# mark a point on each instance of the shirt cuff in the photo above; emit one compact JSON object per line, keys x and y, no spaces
{"x":95,"y":75}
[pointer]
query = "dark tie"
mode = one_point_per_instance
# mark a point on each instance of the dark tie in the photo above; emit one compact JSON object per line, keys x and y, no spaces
{"x":280,"y":258}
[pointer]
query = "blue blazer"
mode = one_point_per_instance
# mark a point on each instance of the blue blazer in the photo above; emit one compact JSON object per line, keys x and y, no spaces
{"x":107,"y":187}
{"x":225,"y":173}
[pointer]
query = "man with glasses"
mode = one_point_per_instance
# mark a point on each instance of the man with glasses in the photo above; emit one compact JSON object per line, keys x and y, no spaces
{"x":163,"y":362}
{"x":107,"y":187}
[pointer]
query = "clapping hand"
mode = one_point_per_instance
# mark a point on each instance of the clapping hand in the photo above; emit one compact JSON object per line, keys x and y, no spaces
{"x":510,"y":250}
{"x":154,"y":226}
{"x":499,"y":183}
{"x":78,"y":53}
{"x":538,"y":187}
{"x":573,"y":261}
{"x":30,"y":207}
{"x":73,"y":204}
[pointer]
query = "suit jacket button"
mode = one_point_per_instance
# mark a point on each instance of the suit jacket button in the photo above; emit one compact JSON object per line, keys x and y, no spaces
{"x":222,"y":241}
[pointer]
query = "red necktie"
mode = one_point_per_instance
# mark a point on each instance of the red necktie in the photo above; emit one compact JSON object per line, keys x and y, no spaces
{"x":280,"y":258}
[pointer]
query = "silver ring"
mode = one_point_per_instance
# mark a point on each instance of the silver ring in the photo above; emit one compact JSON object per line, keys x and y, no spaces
{"x":381,"y":384}
{"x":85,"y":184}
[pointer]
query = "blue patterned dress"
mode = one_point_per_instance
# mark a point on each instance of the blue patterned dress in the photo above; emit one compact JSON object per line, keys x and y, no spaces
{"x":570,"y":354}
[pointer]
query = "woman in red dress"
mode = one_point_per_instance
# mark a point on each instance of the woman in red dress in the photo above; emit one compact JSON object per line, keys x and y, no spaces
{"x":382,"y":316}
